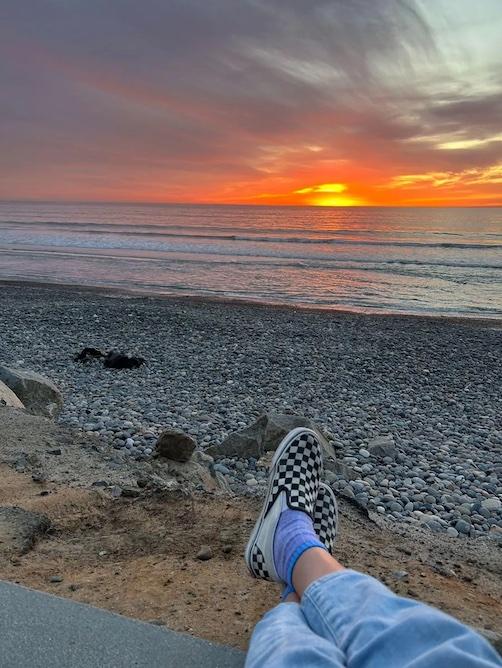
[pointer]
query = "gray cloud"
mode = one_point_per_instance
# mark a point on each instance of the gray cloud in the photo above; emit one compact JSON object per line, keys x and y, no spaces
{"x":110,"y":89}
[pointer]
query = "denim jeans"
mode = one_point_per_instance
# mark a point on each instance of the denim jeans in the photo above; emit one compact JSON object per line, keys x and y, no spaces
{"x":350,"y":619}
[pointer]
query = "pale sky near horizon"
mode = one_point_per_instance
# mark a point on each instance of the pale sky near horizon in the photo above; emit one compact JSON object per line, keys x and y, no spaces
{"x":255,"y":101}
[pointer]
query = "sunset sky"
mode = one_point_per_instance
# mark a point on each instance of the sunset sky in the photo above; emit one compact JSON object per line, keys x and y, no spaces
{"x":326,"y":102}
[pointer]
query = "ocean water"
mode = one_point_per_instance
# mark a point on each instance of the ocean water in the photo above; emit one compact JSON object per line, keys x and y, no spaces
{"x":444,"y":261}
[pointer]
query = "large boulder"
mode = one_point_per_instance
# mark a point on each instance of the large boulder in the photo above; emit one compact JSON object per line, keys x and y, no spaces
{"x":39,"y":395}
{"x":263,"y":435}
{"x":175,"y":445}
{"x":8,"y":398}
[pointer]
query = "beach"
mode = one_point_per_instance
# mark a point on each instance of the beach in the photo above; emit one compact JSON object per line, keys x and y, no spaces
{"x":426,"y":509}
{"x":430,"y":388}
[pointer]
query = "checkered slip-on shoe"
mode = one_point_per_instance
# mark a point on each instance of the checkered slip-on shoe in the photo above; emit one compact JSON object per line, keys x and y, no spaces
{"x":326,"y":516}
{"x":294,"y":480}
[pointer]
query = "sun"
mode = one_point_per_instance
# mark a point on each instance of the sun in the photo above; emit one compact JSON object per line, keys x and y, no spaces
{"x":336,"y":200}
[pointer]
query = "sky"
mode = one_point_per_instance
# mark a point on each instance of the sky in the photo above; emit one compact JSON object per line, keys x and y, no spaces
{"x":283,"y":102}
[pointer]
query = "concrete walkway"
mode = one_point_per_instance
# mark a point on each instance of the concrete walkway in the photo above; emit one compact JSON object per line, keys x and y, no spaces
{"x":40,"y":630}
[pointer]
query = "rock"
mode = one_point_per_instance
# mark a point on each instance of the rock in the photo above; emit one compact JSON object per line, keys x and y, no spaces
{"x":118,"y":360}
{"x":492,"y":504}
{"x":265,"y":460}
{"x":204,"y":554}
{"x":55,"y":579}
{"x":175,"y":445}
{"x":382,"y":446}
{"x":400,"y":575}
{"x":130,"y":492}
{"x":341,"y":469}
{"x":263,"y":435}
{"x":226,"y":549}
{"x":8,"y":398}
{"x":451,"y":531}
{"x":88,"y":354}
{"x":220,"y":468}
{"x":38,"y":394}
{"x":251,"y":482}
{"x":463,"y":527}
{"x":19,"y":529}
{"x":364,"y":453}
{"x":433,"y":525}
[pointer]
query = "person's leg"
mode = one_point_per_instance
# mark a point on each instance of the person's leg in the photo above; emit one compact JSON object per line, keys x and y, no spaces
{"x":373,"y":627}
{"x":295,"y":503}
{"x":363,"y":623}
{"x":283,"y":639}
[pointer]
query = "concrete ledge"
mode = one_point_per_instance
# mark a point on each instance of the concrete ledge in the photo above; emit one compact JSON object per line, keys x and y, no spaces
{"x":40,"y":630}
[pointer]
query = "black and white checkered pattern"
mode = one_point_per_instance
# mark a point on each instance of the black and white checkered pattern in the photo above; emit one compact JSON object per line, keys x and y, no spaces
{"x":258,"y":564}
{"x":297,"y":473}
{"x":326,"y":517}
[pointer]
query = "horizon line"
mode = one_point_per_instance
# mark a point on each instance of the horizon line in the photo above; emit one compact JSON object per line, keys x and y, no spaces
{"x":248,"y":204}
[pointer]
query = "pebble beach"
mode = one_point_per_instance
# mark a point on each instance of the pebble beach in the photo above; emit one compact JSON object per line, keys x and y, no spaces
{"x":431,"y":388}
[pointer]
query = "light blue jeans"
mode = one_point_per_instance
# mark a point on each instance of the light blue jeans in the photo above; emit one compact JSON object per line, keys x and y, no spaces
{"x":350,"y":619}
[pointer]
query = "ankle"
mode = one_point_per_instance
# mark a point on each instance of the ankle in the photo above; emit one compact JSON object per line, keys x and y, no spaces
{"x":294,"y":535}
{"x":312,"y":565}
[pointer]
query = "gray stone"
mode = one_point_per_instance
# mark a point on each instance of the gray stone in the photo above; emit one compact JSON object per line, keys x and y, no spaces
{"x":263,"y":435}
{"x":382,"y":447}
{"x":492,"y":504}
{"x":221,"y":469}
{"x":340,"y":468}
{"x":462,"y":526}
{"x":433,"y":525}
{"x":39,"y":395}
{"x":204,"y":554}
{"x":400,"y":575}
{"x":451,"y":531}
{"x":8,"y":398}
{"x":175,"y":445}
{"x":19,"y":530}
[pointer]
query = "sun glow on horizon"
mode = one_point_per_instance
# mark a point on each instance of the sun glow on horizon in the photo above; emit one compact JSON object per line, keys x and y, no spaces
{"x":337,"y":201}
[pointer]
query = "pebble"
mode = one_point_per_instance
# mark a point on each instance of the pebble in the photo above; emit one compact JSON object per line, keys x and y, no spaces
{"x":492,"y":504}
{"x":463,"y":527}
{"x":400,"y":575}
{"x":209,"y":382}
{"x":204,"y":554}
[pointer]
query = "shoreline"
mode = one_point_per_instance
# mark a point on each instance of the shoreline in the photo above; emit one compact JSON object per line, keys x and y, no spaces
{"x":129,"y":293}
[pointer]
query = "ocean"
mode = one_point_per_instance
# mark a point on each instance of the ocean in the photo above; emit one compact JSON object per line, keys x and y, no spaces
{"x":430,"y":261}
